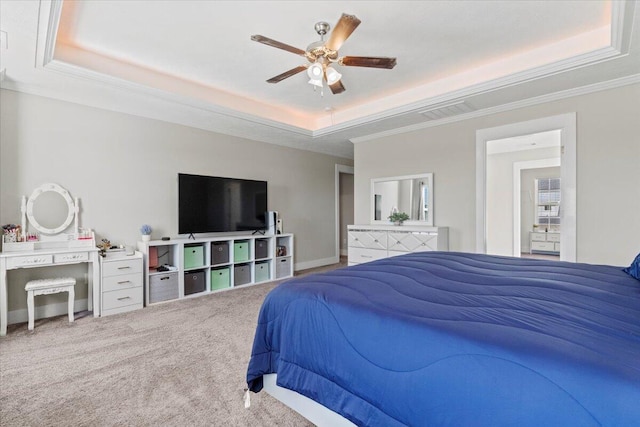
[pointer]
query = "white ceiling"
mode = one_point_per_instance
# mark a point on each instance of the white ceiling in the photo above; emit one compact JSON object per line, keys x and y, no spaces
{"x":193,"y":62}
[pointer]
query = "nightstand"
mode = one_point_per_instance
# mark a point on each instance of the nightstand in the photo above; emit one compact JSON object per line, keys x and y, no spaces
{"x":121,"y":284}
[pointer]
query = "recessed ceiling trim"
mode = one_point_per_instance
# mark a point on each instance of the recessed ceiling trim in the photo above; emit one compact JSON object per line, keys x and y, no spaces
{"x":583,"y":90}
{"x":621,"y":24}
{"x":48,"y":22}
{"x":110,"y":81}
{"x":475,"y":90}
{"x":341,"y":118}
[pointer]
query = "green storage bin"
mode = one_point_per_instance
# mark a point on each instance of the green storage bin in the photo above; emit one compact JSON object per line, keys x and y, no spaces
{"x":220,"y":278}
{"x":262,"y":271}
{"x":193,"y":257}
{"x":241,"y":251}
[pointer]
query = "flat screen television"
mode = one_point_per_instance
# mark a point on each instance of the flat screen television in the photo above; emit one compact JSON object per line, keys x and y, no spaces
{"x":208,"y":204}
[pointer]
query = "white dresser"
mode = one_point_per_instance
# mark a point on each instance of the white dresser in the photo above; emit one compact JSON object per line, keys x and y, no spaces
{"x":122,"y":284}
{"x":371,"y":242}
{"x":544,"y":242}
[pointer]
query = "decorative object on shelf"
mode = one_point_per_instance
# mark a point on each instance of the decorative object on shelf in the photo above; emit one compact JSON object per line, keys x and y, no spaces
{"x":398,"y":217}
{"x":11,"y":233}
{"x":104,"y":246}
{"x":145,"y":230}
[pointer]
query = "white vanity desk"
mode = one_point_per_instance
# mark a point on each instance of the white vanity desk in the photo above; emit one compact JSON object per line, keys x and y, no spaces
{"x":50,"y":210}
{"x":48,"y":258}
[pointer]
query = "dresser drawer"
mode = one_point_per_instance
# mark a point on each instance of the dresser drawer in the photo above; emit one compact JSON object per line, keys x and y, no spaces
{"x":360,"y":255}
{"x":28,"y":261}
{"x":122,"y":298}
{"x":553,"y":237}
{"x":413,"y":242}
{"x":542,"y":246}
{"x":119,"y":267}
{"x":541,"y":237}
{"x":122,"y":281}
{"x":73,"y":257}
{"x":367,"y":239}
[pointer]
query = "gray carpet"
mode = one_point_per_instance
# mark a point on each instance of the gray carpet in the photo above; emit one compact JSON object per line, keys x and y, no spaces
{"x":181,"y":363}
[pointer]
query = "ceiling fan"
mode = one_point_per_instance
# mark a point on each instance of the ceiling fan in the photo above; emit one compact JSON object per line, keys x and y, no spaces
{"x":323,"y":55}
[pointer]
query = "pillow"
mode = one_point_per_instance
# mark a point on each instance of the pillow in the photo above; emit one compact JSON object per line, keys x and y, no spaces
{"x":634,"y":269}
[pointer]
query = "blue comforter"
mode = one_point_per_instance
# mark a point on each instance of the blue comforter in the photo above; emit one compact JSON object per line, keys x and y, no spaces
{"x":455,"y":339}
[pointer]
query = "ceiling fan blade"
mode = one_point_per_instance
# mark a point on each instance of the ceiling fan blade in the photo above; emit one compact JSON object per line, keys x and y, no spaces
{"x":287,"y":74}
{"x":368,"y":61}
{"x":341,"y":32}
{"x":279,"y":45}
{"x":337,"y":87}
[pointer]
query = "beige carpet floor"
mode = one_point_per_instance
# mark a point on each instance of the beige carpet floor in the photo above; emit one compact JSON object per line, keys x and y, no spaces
{"x":181,"y":363}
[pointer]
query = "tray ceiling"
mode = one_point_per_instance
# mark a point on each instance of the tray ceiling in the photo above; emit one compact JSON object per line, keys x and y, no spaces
{"x":193,"y":62}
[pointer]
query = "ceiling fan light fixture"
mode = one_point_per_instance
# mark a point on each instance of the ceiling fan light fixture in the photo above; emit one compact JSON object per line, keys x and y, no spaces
{"x":315,"y":71}
{"x":332,"y":75}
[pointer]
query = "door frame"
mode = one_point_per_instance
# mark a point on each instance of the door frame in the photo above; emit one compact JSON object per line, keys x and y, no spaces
{"x":518,"y":167}
{"x":567,"y":124}
{"x":339,"y":169}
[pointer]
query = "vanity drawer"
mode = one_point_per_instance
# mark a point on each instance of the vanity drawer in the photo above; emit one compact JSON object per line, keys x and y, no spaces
{"x":73,"y":257}
{"x":360,"y":255}
{"x":29,"y":261}
{"x":122,"y":298}
{"x":122,"y":281}
{"x":120,"y":267}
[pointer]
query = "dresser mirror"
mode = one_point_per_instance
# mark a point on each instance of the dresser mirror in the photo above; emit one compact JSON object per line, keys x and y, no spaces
{"x":50,"y":209}
{"x":411,"y":194}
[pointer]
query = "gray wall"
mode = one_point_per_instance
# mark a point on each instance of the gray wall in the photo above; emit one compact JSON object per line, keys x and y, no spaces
{"x":124,"y":170}
{"x":608,"y":172}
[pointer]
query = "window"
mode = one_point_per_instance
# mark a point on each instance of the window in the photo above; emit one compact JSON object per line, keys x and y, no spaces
{"x":548,"y":203}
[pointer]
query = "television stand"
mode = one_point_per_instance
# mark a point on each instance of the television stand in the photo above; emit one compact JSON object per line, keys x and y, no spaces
{"x":203,"y":265}
{"x":191,"y":236}
{"x":261,"y":232}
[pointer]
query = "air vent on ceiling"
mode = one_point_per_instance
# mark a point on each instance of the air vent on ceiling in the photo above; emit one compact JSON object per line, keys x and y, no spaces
{"x":445,"y":111}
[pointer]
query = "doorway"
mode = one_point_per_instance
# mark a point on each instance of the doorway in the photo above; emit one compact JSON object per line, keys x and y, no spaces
{"x":494,"y":216}
{"x":513,"y":167}
{"x":344,"y":195}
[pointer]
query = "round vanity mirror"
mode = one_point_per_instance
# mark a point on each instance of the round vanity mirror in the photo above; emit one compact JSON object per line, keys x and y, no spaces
{"x":50,"y":209}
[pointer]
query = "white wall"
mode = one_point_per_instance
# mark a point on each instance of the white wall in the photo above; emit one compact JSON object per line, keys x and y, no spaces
{"x":608,"y":175}
{"x":528,"y":198}
{"x":499,"y":204}
{"x":124,"y":170}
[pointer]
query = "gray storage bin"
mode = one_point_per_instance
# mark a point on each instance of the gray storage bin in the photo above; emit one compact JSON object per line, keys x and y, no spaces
{"x":261,"y":248}
{"x":194,"y":282}
{"x":219,"y":253}
{"x":283,"y":267}
{"x":163,"y":287}
{"x":241,"y":274}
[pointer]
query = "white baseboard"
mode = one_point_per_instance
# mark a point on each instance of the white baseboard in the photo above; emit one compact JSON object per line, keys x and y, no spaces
{"x":316,"y":263}
{"x":43,"y":311}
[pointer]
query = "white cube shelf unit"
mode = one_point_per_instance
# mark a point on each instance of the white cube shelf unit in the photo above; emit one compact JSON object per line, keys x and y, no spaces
{"x":210,"y":264}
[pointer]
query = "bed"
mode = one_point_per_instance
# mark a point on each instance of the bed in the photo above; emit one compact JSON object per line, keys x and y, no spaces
{"x":457,"y":339}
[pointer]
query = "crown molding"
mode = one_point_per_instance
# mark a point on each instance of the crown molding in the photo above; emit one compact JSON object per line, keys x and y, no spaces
{"x":583,"y":90}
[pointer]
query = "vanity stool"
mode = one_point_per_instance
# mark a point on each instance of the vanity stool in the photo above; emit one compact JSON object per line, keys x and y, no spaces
{"x":49,"y":286}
